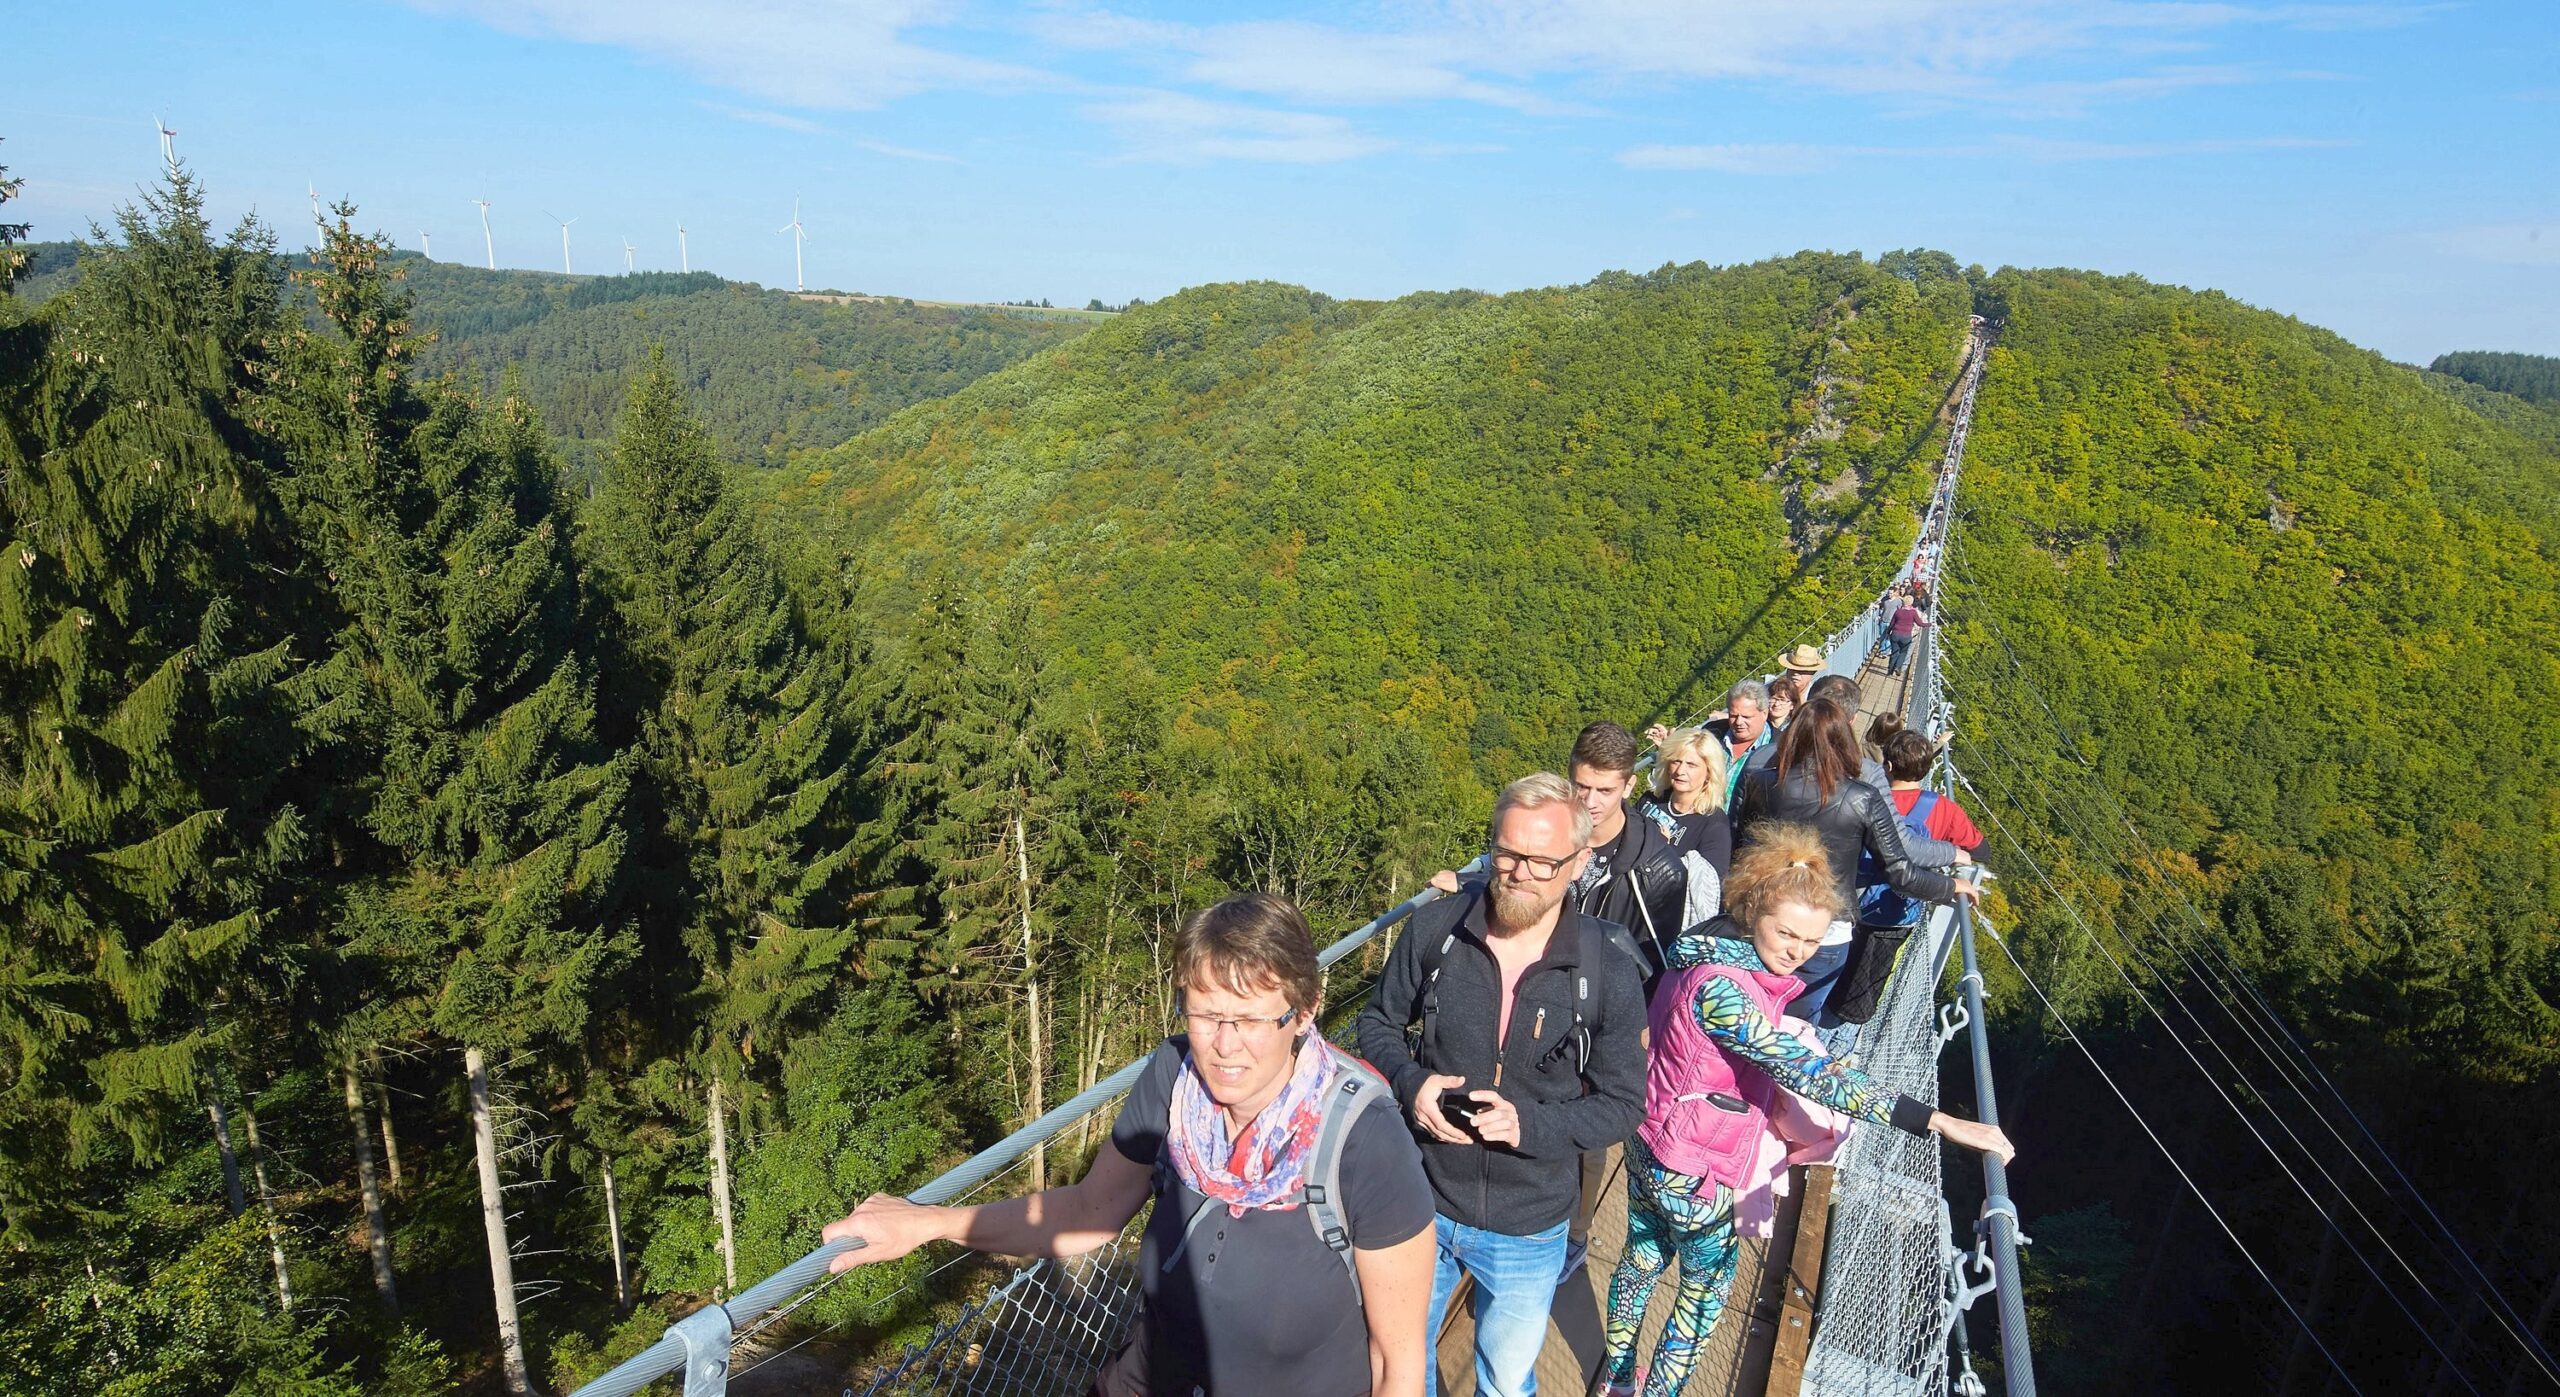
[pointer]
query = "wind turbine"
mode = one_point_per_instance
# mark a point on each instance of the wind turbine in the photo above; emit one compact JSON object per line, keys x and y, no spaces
{"x":798,"y":282}
{"x":168,"y":144}
{"x":318,"y":224}
{"x":426,"y":244}
{"x":487,"y":245}
{"x":627,"y":252}
{"x":564,"y":240}
{"x":684,"y":257}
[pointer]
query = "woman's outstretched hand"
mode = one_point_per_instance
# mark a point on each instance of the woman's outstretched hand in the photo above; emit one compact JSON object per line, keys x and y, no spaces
{"x":888,"y":1226}
{"x":1973,"y":1135}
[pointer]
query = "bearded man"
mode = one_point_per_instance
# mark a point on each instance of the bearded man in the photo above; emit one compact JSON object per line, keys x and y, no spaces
{"x":1512,"y":1032}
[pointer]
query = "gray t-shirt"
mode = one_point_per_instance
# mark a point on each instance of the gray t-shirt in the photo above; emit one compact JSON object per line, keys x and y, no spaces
{"x":1257,"y":1303}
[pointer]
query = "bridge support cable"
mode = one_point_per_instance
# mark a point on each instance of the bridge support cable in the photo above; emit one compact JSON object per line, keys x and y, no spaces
{"x":2073,"y":1034}
{"x":2209,"y":961}
{"x":2090,"y":934}
{"x":2054,"y":813}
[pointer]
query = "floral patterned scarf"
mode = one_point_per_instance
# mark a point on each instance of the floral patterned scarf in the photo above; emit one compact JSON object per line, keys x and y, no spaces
{"x":1264,"y":1167}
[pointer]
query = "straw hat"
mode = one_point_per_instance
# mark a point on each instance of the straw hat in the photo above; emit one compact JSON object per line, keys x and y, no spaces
{"x":1803,"y":659}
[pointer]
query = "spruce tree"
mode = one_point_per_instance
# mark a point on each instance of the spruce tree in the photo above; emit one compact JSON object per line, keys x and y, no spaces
{"x":149,"y":749}
{"x":492,"y":904}
{"x":747,"y":841}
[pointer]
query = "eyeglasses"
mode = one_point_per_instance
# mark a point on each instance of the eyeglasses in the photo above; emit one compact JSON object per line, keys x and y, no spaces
{"x":1505,"y":860}
{"x":1206,"y":1026}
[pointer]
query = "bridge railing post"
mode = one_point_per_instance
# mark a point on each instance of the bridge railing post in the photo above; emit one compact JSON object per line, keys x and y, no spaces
{"x":1998,"y":1227}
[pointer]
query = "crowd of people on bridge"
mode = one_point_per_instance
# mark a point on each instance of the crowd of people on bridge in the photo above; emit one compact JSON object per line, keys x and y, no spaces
{"x":1658,"y":978}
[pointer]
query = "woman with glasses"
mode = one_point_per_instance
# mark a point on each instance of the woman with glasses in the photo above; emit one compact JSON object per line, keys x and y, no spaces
{"x":1249,"y":1281}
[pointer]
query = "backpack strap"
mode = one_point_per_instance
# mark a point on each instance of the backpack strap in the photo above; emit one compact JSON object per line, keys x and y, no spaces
{"x":1351,"y":1095}
{"x":1435,"y":954}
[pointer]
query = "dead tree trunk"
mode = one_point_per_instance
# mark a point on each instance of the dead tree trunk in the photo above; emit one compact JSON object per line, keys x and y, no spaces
{"x":493,"y":1221}
{"x":720,"y":1188}
{"x":390,"y":1140}
{"x":613,"y":1227}
{"x":222,"y":1141}
{"x":1036,"y":1104}
{"x":377,"y":1237}
{"x":267,"y":1206}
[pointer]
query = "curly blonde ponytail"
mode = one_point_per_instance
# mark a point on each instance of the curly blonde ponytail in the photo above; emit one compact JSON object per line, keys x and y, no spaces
{"x":1783,"y":863}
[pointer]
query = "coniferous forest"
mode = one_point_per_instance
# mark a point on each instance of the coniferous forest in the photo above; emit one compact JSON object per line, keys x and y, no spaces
{"x":547,"y":788}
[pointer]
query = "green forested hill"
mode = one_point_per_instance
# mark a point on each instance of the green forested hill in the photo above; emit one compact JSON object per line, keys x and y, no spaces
{"x":770,"y":373}
{"x":2294,"y":611}
{"x":2532,"y":377}
{"x":1478,"y":519}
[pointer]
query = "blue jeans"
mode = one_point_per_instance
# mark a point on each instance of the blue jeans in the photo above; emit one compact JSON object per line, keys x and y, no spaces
{"x":1900,"y":648}
{"x":1820,"y":972}
{"x":1515,"y":1290}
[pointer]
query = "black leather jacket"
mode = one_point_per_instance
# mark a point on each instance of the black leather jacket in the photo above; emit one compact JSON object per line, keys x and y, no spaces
{"x":1857,"y":817}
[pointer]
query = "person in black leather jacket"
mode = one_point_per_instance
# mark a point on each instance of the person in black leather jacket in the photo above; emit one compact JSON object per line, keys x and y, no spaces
{"x":1814,"y":781}
{"x":1635,"y":882}
{"x":1635,"y":878}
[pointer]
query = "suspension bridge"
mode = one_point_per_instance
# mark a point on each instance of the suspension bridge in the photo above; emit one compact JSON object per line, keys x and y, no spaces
{"x":1870,"y":1283}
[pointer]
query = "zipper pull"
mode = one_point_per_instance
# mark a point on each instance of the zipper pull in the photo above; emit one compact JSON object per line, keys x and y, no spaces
{"x":1538,"y":1025}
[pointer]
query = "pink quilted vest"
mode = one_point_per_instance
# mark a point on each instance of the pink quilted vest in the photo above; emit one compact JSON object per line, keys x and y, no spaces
{"x":1685,"y":1126}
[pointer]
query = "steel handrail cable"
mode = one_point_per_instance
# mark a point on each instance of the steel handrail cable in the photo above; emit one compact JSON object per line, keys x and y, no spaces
{"x":2053,"y":811}
{"x":2064,"y":901}
{"x":2447,"y":1245}
{"x":2166,"y":1153}
{"x":670,"y":1352}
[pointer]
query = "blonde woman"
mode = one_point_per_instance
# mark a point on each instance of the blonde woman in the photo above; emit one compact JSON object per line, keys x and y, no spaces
{"x":1688,"y":802}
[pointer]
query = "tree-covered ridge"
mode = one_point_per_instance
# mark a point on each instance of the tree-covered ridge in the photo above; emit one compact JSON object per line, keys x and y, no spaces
{"x":1476,"y":518}
{"x":770,"y":373}
{"x":2532,"y":377}
{"x":2297,"y":611}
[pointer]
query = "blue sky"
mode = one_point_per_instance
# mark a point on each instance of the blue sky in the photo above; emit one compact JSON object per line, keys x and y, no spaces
{"x":2384,"y":168}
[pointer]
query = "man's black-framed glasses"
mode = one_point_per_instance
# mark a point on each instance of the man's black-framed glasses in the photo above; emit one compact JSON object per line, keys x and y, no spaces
{"x":1539,"y":866}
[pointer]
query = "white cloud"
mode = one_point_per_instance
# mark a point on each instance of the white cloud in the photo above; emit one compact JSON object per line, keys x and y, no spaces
{"x":784,"y":120}
{"x":823,"y":54}
{"x":1750,"y":159}
{"x":1491,"y":51}
{"x":1788,"y":159}
{"x":907,"y":152}
{"x":1179,"y":129}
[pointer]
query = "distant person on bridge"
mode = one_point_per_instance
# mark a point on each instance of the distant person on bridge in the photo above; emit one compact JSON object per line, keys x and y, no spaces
{"x":1512,"y":1032}
{"x":1814,"y":781}
{"x":1250,"y":1281}
{"x":1718,"y":1060}
{"x":1899,"y":632}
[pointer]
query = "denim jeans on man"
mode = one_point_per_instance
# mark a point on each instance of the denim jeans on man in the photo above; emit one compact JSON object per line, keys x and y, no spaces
{"x":1515,"y":1289}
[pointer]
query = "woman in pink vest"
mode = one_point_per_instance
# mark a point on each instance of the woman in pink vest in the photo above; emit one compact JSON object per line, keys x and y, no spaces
{"x":1718,"y":1061}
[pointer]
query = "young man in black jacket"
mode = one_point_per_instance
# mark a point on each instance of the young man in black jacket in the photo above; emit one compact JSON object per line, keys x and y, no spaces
{"x":1529,"y":1053}
{"x":1634,"y":877}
